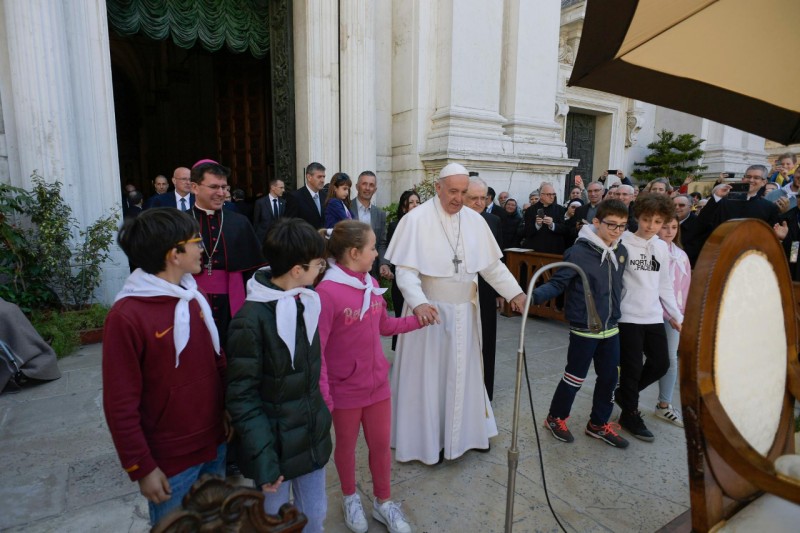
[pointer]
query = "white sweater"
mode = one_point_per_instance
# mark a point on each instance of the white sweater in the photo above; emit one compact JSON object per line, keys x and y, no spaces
{"x":647,"y":282}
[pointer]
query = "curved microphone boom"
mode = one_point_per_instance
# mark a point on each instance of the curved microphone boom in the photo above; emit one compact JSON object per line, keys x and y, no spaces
{"x":595,"y":326}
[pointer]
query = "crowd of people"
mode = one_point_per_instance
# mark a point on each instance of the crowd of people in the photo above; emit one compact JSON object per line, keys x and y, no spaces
{"x":243,"y":340}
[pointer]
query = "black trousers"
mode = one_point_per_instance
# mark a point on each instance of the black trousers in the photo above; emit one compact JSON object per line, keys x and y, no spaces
{"x":644,"y":359}
{"x":488,"y":310}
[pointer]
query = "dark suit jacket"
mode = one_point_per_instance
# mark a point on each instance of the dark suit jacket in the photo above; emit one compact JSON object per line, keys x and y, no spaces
{"x":377,"y":217}
{"x":300,"y":204}
{"x":494,"y":224}
{"x":691,"y":238}
{"x":263,"y":218}
{"x":544,"y":239}
{"x":168,"y":200}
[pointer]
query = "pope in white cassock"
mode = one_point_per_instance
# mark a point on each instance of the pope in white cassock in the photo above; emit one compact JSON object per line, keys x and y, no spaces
{"x":439,"y":402}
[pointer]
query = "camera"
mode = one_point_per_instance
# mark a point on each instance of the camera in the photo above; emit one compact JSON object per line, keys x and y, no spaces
{"x":738,"y":191}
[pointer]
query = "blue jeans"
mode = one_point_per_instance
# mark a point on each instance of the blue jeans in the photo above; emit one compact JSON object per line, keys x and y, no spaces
{"x":666,"y":385}
{"x":309,"y":497}
{"x":580,"y":354}
{"x":181,"y":482}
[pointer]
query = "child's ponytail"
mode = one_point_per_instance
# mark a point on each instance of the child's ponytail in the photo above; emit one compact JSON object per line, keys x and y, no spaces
{"x":345,"y":234}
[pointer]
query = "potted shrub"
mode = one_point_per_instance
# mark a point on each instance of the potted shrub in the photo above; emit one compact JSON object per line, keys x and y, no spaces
{"x":49,"y":265}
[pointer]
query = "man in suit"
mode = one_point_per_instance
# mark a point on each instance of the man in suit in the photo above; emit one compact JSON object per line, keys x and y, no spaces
{"x":491,"y":207}
{"x":308,"y":202}
{"x":487,"y":297}
{"x":160,"y":185}
{"x":544,"y":223}
{"x":364,"y":210}
{"x":690,"y":228}
{"x":269,"y":208}
{"x":594,"y":193}
{"x":182,"y":197}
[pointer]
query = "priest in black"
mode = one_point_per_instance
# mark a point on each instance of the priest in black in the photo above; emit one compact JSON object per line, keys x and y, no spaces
{"x":544,"y":223}
{"x":231,"y":252}
{"x":487,"y":296}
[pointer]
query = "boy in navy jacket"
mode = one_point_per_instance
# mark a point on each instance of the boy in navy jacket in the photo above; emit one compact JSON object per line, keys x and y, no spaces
{"x":598,"y":252}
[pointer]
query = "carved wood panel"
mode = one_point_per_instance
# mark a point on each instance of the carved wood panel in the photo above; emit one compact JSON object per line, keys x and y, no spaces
{"x":243,"y":116}
{"x":580,"y":144}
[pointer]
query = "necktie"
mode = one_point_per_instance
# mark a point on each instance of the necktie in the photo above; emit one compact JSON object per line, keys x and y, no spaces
{"x":275,"y":213}
{"x":316,"y":202}
{"x":183,"y":204}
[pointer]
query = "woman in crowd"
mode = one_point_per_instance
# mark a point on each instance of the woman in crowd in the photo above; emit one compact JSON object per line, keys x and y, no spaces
{"x":408,"y":201}
{"x":510,"y":224}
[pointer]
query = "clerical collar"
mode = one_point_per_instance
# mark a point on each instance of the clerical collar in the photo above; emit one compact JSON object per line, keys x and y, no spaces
{"x":209,"y":212}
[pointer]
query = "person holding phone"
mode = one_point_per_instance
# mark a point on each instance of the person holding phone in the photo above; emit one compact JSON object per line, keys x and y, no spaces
{"x":544,"y":223}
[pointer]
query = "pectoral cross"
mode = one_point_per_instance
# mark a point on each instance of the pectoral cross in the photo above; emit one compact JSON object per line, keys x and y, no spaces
{"x":208,"y":266}
{"x":456,"y":262}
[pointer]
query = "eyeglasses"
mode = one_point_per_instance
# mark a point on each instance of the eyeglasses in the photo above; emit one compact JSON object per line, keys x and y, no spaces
{"x":216,"y":188}
{"x":614,"y":227}
{"x":752,"y":177}
{"x":181,"y":179}
{"x":321,"y":266}
{"x":197,"y":239}
{"x":547,"y":194}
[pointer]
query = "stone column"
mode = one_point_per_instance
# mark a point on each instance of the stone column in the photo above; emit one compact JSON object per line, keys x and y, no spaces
{"x":530,"y":76}
{"x":358,"y":117}
{"x":63,"y":109}
{"x":384,"y":55}
{"x":467,"y":118}
{"x":316,"y":69}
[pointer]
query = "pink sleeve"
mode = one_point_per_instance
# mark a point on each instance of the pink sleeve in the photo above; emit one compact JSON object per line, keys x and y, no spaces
{"x":324,"y":328}
{"x":393,"y":326}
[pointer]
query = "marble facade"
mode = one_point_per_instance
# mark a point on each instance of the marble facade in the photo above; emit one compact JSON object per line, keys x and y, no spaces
{"x":401,"y":87}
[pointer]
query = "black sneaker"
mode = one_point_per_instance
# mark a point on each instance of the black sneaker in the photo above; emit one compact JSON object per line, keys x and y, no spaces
{"x":558,"y":427}
{"x":606,"y":433}
{"x":632,"y":422}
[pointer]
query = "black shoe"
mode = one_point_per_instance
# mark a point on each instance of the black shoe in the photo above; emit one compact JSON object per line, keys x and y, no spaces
{"x":441,"y":457}
{"x":606,"y":433}
{"x":558,"y":428}
{"x":484,"y":450}
{"x":631,"y":421}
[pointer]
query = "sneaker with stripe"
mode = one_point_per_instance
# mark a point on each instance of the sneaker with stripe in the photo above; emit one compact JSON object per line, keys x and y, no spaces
{"x":670,"y":414}
{"x":558,"y":427}
{"x":607,"y":433}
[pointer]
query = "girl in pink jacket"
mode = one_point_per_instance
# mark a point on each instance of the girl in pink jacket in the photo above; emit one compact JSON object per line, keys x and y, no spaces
{"x":352,"y":319}
{"x":681,"y":273}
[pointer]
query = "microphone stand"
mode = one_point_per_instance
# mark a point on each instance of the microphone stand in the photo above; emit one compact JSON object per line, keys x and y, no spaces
{"x":595,"y":326}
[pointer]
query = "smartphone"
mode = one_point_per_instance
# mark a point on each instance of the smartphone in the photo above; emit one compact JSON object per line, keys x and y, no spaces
{"x":540,"y":213}
{"x":612,"y":172}
{"x":738,"y":191}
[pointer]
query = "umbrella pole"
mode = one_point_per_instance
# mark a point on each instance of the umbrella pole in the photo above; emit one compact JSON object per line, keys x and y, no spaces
{"x":513,"y":452}
{"x":594,"y":325}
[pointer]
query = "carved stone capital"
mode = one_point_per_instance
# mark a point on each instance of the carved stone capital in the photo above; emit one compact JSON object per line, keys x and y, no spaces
{"x":566,"y":53}
{"x":634,"y":124}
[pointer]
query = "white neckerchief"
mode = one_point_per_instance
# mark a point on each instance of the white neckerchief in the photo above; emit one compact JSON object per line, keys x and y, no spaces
{"x":676,"y":257}
{"x":286,"y":310}
{"x":144,"y":285}
{"x":337,"y":275}
{"x":589,"y":232}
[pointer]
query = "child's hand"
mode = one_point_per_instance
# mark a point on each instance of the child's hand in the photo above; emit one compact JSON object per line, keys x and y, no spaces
{"x":228,"y":425}
{"x":675,"y":324}
{"x":155,"y":487}
{"x":272,"y":487}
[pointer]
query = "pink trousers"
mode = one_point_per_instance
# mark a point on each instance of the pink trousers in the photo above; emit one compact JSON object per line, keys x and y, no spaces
{"x":377,"y":422}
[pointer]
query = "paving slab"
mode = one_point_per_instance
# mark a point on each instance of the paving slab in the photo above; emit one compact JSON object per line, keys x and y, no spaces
{"x":58,"y":453}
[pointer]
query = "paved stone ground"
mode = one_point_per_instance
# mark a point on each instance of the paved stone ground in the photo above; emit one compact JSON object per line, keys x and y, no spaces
{"x":60,"y":471}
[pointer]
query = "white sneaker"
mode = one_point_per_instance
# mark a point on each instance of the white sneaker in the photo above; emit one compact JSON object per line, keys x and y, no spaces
{"x":390,"y":515}
{"x":354,"y":517}
{"x":670,"y":414}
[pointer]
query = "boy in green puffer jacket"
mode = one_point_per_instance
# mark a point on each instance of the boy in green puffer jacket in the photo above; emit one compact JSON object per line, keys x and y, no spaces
{"x":277,"y":391}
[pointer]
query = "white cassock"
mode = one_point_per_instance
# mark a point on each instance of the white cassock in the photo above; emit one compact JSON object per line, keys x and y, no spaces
{"x":439,"y":400}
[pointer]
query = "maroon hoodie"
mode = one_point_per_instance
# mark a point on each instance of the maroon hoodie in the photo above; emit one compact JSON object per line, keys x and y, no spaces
{"x":159,"y":415}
